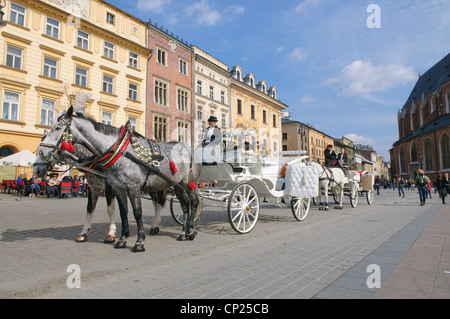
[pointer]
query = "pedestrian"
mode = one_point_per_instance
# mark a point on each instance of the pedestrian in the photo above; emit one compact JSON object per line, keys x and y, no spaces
{"x":401,"y":184}
{"x":422,"y":183}
{"x":445,"y":187}
{"x":429,"y":189}
{"x":437,"y":185}
{"x":377,"y":185}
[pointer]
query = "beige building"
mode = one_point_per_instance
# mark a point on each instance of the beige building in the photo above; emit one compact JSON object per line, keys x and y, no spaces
{"x":51,"y":50}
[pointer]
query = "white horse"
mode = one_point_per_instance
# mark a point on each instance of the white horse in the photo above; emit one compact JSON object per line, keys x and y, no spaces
{"x":330,"y":178}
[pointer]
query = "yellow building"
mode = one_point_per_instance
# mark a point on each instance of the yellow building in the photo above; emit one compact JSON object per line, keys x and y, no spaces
{"x":256,"y":107}
{"x":51,"y":50}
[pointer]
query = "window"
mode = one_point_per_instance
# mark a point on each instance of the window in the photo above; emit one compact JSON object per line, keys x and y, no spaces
{"x":133,"y":60}
{"x":107,"y":117}
{"x":183,"y":67}
{"x":445,"y":152}
{"x":160,"y":128}
{"x":264,"y":116}
{"x":47,"y":112}
{"x":14,"y":57}
{"x":17,"y":14}
{"x":81,"y":76}
{"x":413,"y":153}
{"x":183,"y":132}
{"x":427,"y":155}
{"x":108,"y":83}
{"x":239,"y":107}
{"x":161,"y":57}
{"x":285,"y":136}
{"x":11,"y":106}
{"x":200,"y":115}
{"x":224,"y":120}
{"x":222,"y":97}
{"x":211,"y":92}
{"x":182,"y":102}
{"x":50,"y":68}
{"x":199,"y":87}
{"x":110,"y":18}
{"x":274,"y":120}
{"x":252,"y":112}
{"x":83,"y":40}
{"x":160,"y":92}
{"x":108,"y":51}
{"x":133,"y":122}
{"x":52,"y":28}
{"x":6,"y":151}
{"x":133,"y":92}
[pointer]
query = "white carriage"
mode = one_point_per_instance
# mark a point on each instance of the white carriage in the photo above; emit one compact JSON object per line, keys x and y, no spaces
{"x":359,"y":184}
{"x":237,"y":179}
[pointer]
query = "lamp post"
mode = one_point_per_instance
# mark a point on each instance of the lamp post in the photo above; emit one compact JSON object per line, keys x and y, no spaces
{"x":2,"y":5}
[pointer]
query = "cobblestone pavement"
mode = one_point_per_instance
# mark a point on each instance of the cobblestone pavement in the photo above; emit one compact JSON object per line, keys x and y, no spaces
{"x":280,"y":258}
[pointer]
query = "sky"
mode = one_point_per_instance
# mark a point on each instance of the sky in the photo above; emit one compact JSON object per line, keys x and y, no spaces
{"x":345,"y":67}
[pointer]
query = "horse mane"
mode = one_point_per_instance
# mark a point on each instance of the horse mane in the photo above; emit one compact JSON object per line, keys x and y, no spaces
{"x":103,"y":128}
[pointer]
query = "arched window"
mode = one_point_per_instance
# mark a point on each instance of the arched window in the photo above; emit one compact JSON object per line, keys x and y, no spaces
{"x":427,"y":154}
{"x":413,"y":152}
{"x":401,"y":160}
{"x":6,"y":151}
{"x":445,"y":151}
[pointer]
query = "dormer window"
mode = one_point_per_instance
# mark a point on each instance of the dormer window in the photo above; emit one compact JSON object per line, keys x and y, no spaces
{"x":238,"y":75}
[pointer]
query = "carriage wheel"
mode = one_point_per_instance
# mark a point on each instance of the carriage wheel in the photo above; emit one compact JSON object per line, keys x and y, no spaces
{"x":300,"y":207}
{"x":369,"y":197}
{"x":177,"y":214}
{"x":243,"y":208}
{"x":353,"y":196}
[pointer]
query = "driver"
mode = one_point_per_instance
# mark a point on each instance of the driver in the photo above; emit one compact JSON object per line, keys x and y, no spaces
{"x":330,"y":156}
{"x":211,"y":141}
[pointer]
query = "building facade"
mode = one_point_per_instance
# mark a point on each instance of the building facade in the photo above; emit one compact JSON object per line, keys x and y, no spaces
{"x":424,"y":126}
{"x":211,"y":97}
{"x":170,"y":83}
{"x":256,"y":107}
{"x":51,"y":50}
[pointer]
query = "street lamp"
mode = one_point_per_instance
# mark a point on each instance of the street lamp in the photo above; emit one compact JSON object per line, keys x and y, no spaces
{"x":2,"y":23}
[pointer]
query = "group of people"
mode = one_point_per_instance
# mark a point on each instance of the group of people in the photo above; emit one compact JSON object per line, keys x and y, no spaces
{"x":424,"y":186}
{"x":52,"y":185}
{"x":333,"y":159}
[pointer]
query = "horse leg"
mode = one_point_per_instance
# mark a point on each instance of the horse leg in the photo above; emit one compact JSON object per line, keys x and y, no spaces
{"x":137,"y":212}
{"x":123,"y":208}
{"x":93,"y":195}
{"x":159,"y":201}
{"x":194,"y":203}
{"x":184,"y":202}
{"x":325,"y":193}
{"x":111,"y":209}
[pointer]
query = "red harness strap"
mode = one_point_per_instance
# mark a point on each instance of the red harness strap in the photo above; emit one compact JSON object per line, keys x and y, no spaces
{"x":115,"y":152}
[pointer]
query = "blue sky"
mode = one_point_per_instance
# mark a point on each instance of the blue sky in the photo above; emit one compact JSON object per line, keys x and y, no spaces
{"x":332,"y":70}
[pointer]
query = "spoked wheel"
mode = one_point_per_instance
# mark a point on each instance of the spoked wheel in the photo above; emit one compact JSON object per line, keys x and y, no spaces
{"x":353,"y":196}
{"x":243,"y":208}
{"x":369,"y":197}
{"x":300,"y":207}
{"x":177,"y":213}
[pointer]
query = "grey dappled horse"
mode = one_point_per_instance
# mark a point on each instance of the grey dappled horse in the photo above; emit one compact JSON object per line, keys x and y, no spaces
{"x":127,"y":176}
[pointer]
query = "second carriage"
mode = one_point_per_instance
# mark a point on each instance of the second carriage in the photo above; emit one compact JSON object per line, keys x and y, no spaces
{"x":236,"y":179}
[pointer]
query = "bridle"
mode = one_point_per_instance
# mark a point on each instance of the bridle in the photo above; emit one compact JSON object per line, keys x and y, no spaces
{"x":65,"y":136}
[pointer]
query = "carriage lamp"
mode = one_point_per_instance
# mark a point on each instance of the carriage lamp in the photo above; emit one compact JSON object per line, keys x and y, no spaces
{"x":2,"y":5}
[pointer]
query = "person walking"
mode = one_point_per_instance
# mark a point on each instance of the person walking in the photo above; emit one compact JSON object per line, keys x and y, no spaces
{"x":377,"y":185}
{"x":429,"y":186}
{"x":444,"y":187}
{"x":401,"y":184}
{"x":422,"y":183}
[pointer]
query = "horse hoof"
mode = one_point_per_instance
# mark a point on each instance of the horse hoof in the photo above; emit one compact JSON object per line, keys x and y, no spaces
{"x":192,"y":235}
{"x":340,"y":207}
{"x":81,"y":238}
{"x":138,"y":248}
{"x":320,"y":208}
{"x":121,"y":244}
{"x":326,"y":208}
{"x":109,"y":239}
{"x":182,"y":237}
{"x":154,"y":231}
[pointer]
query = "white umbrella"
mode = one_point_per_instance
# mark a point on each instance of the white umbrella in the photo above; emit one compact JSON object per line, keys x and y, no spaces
{"x":21,"y":159}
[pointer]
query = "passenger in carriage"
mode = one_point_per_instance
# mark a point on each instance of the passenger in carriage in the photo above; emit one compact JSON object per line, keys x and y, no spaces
{"x":342,"y":158}
{"x":330,"y":156}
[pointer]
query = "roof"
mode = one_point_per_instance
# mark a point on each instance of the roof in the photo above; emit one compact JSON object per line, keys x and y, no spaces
{"x":431,"y":80}
{"x":435,"y":125}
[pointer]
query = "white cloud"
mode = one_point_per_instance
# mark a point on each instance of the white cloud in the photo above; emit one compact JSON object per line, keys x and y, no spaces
{"x":152,"y":5}
{"x":359,"y":139}
{"x":298,"y":54}
{"x":306,"y":5}
{"x":279,"y":49}
{"x":204,"y":15}
{"x":361,"y":78}
{"x":306,"y":98}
